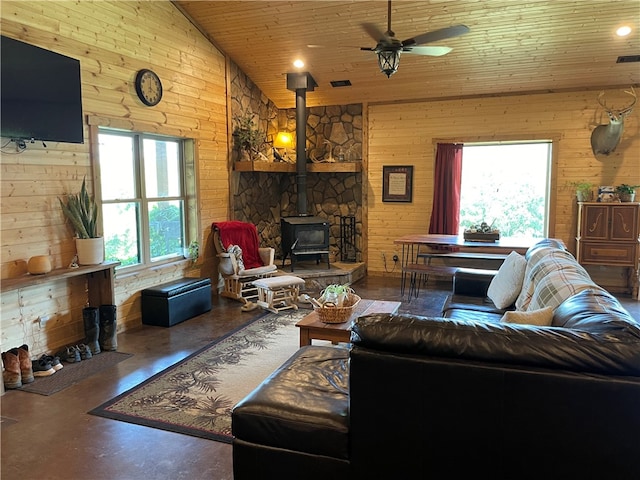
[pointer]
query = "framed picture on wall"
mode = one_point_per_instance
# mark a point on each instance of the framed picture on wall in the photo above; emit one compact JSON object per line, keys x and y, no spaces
{"x":397,"y":183}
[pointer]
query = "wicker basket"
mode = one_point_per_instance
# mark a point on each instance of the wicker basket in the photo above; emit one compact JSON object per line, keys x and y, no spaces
{"x":329,"y":313}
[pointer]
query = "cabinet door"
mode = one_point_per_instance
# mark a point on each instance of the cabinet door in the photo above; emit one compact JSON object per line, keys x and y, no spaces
{"x":624,"y":222}
{"x":596,"y":222}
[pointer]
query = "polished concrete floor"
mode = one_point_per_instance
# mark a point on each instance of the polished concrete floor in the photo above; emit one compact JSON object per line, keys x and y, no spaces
{"x":53,"y":437}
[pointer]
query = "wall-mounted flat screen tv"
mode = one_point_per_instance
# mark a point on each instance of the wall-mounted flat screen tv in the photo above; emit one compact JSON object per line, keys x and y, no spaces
{"x":41,"y":95}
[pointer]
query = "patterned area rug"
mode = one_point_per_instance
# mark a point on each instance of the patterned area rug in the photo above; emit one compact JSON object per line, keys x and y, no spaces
{"x":196,"y":395}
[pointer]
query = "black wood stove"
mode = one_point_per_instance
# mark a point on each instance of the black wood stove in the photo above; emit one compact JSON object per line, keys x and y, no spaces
{"x":304,"y":235}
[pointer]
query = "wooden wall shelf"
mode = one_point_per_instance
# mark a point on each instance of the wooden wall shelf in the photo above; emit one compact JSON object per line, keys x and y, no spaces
{"x":283,"y":167}
{"x":99,"y":278}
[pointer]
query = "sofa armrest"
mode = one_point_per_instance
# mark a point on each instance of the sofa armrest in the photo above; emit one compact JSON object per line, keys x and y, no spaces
{"x":472,"y":281}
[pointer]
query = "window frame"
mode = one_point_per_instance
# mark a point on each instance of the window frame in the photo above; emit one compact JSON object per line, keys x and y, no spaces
{"x":548,"y":162}
{"x":187,"y":183}
{"x":553,"y":138}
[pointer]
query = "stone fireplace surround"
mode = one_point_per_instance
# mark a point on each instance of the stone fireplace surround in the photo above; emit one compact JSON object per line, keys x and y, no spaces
{"x":262,"y":198}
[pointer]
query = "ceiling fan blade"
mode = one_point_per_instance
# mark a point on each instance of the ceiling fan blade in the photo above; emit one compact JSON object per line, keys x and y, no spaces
{"x":431,"y":51}
{"x":373,"y":31}
{"x":436,"y":35}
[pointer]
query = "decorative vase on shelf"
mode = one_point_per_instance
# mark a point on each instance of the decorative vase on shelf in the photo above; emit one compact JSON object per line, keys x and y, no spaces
{"x":39,"y":265}
{"x":90,"y":250}
{"x":583,"y":196}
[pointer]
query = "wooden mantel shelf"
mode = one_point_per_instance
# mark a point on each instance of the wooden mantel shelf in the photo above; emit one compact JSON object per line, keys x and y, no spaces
{"x":100,"y":287}
{"x":283,"y":167}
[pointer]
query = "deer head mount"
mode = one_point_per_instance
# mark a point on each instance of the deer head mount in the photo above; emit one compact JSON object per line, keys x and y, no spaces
{"x":605,"y":138}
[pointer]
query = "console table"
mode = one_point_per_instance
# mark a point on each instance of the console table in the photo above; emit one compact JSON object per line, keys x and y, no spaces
{"x":100,"y":281}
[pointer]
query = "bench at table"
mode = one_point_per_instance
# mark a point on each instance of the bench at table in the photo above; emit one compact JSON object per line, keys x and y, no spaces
{"x":427,"y":256}
{"x":419,"y":272}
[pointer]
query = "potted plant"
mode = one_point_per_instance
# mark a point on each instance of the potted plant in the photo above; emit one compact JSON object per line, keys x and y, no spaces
{"x":193,"y":251}
{"x":335,"y":294}
{"x":246,"y":137}
{"x":626,"y":193}
{"x":82,"y":211}
{"x":584,"y":190}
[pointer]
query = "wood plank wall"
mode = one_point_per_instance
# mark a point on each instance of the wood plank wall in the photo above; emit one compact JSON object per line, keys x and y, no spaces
{"x":405,"y":134}
{"x":112,"y":40}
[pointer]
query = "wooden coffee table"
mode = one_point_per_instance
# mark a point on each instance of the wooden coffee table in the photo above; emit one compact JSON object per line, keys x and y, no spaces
{"x":312,"y":328}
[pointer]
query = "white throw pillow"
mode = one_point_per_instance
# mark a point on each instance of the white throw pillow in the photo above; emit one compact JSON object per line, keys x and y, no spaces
{"x":541,"y":318}
{"x":506,"y":285}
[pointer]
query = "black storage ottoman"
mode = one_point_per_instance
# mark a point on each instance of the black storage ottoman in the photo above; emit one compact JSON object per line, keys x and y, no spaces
{"x":174,"y":302}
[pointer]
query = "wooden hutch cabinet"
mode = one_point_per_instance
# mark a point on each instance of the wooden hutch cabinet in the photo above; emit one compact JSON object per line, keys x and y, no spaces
{"x":608,"y":234}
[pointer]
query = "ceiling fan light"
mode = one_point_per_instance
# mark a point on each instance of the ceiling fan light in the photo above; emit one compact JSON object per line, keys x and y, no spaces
{"x":388,"y":61}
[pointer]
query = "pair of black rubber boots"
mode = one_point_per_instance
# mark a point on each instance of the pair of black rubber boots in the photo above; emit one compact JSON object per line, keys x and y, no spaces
{"x":100,"y":328}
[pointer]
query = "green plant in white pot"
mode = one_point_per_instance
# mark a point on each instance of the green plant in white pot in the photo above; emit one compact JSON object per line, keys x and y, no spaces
{"x":626,"y":193}
{"x":584,"y":190}
{"x":82,"y":211}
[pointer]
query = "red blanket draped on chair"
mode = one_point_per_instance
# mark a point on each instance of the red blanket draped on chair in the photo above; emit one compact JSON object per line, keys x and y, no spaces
{"x":243,"y":234}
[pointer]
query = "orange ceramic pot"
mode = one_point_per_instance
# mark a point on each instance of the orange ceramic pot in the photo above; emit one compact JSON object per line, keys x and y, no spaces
{"x":39,"y":264}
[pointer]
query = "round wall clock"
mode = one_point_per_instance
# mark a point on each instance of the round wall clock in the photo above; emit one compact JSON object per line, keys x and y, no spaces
{"x":148,"y":87}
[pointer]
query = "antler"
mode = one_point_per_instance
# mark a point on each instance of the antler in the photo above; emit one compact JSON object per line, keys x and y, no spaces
{"x":628,"y":109}
{"x":603,"y":104}
{"x":624,"y":111}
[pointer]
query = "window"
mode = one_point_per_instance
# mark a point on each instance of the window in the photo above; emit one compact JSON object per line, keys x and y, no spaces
{"x":143,"y":197}
{"x":506,"y":185}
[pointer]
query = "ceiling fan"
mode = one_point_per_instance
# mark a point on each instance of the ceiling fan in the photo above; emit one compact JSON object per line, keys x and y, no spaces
{"x":389,"y":47}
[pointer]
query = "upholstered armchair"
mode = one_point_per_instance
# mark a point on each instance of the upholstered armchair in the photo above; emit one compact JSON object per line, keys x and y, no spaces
{"x":241,"y":260}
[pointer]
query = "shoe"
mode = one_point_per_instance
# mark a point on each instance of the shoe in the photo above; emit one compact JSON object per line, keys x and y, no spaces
{"x":25,"y":363}
{"x":42,"y":368}
{"x":85,"y":351}
{"x":53,"y":360}
{"x":70,"y":355}
{"x":11,"y":374}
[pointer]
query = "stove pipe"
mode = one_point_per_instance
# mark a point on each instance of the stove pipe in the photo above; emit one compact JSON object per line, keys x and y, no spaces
{"x":300,"y":83}
{"x":301,"y":151}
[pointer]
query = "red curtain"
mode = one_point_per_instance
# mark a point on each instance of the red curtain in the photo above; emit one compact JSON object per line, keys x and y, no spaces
{"x":445,"y":216}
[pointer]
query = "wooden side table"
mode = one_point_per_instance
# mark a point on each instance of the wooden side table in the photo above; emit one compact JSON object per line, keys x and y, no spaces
{"x":312,"y":328}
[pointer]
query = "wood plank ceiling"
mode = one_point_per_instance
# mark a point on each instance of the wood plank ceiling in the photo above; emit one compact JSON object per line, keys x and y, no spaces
{"x":513,"y":46}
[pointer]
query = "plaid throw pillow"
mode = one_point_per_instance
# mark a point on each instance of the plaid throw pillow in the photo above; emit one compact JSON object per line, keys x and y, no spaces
{"x":551,"y":277}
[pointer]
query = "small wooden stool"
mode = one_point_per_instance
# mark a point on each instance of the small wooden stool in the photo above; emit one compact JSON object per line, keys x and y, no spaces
{"x":278,"y":293}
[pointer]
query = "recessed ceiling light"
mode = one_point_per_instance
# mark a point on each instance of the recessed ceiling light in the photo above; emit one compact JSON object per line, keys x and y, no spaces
{"x":298,"y":63}
{"x":623,"y":31}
